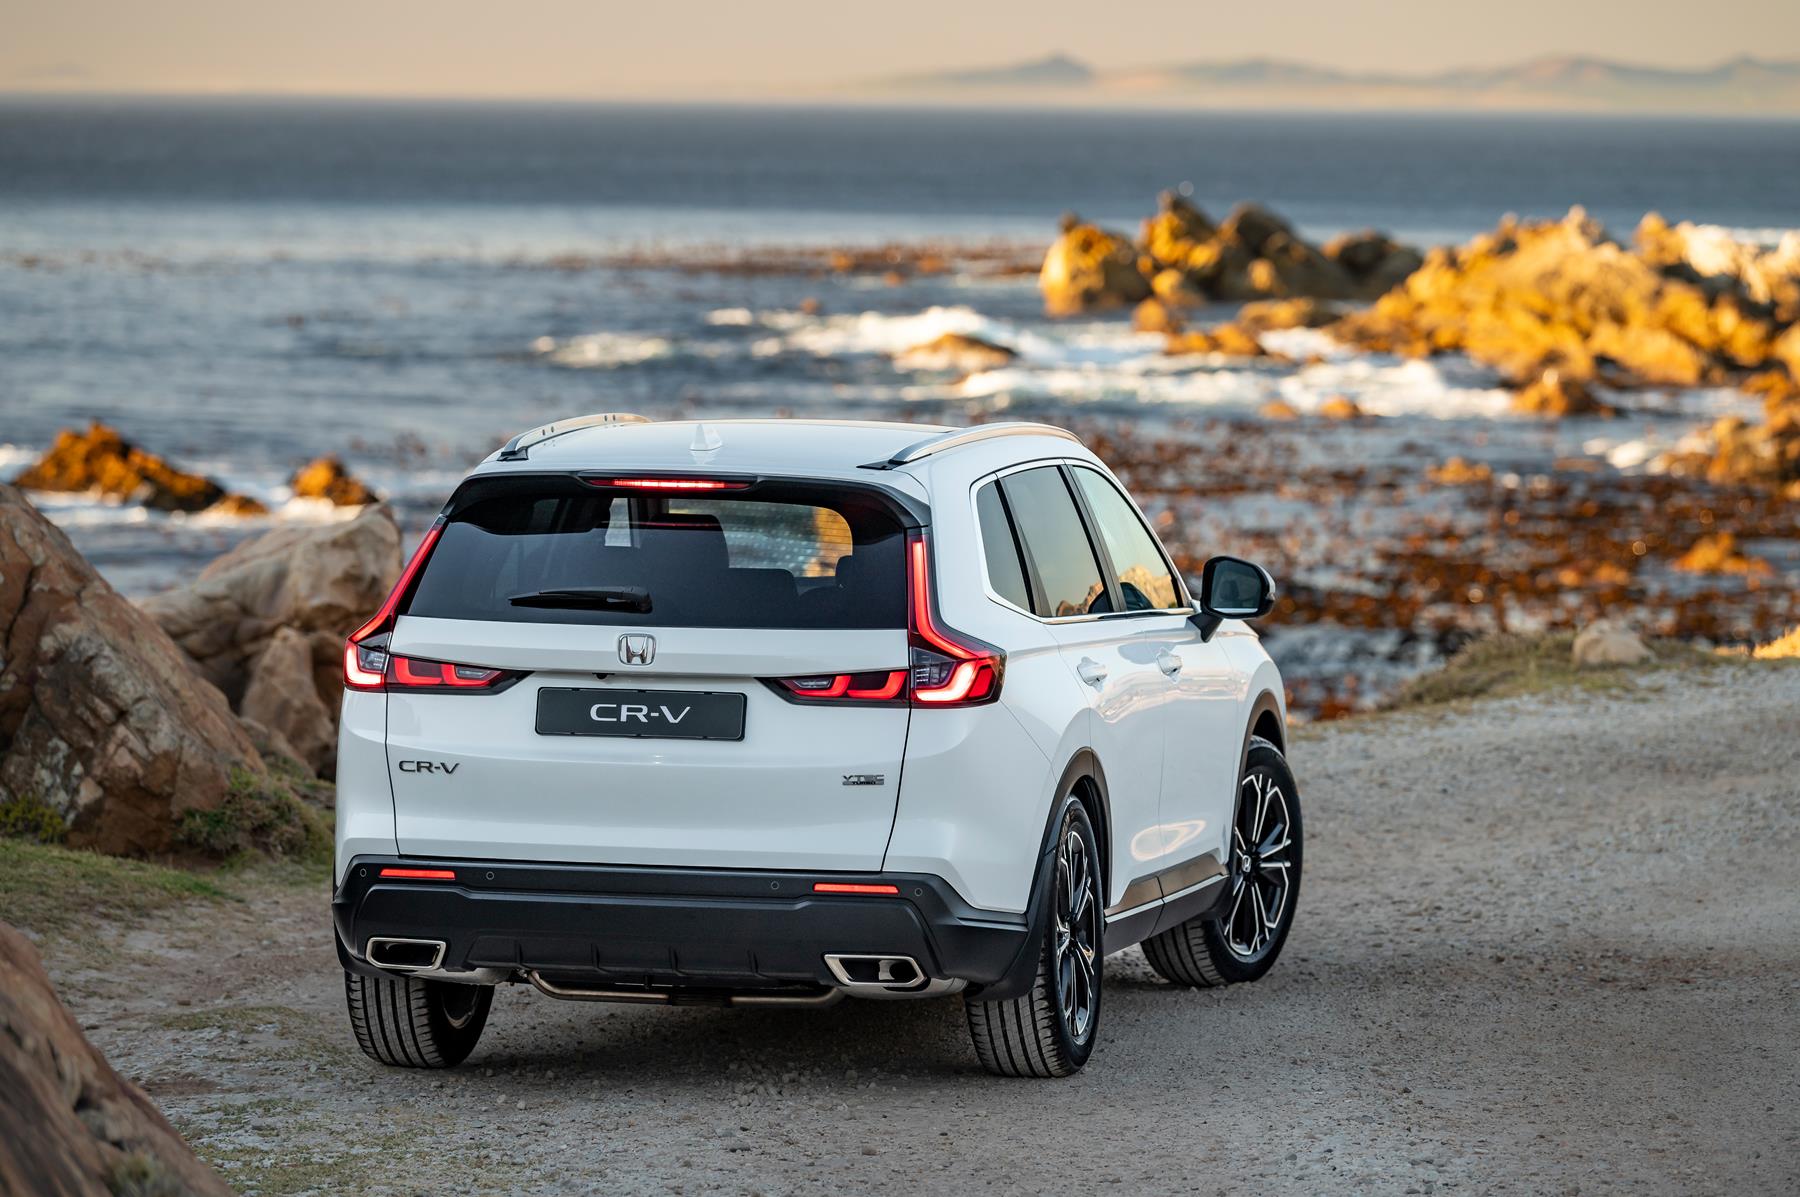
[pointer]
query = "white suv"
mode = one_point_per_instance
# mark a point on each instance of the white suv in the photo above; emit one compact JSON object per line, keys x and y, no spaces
{"x":774,"y":711}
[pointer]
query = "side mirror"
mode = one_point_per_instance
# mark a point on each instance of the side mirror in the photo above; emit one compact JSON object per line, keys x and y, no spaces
{"x":1232,"y":588}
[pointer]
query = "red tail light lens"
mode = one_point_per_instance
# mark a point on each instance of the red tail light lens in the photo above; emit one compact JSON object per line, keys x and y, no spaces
{"x":948,"y":667}
{"x":420,"y":874}
{"x":365,"y":654}
{"x":368,"y":665}
{"x":847,"y":887}
{"x":881,"y":686}
{"x":411,"y":673}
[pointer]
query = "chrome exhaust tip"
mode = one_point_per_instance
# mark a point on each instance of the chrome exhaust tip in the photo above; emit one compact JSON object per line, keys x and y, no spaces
{"x":405,"y":955}
{"x":892,"y":974}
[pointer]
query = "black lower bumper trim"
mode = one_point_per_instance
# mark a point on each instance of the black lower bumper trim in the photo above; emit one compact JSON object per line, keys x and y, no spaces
{"x":668,"y":926}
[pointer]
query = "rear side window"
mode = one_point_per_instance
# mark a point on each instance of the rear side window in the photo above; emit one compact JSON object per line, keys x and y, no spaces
{"x":1145,"y":580}
{"x":556,"y":550}
{"x":1005,"y":572}
{"x":1050,"y":525}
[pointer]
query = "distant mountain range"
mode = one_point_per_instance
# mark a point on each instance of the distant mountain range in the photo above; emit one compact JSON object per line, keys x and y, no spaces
{"x":1743,"y":85}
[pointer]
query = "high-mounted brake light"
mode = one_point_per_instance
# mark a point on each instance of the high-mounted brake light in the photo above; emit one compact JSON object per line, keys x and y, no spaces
{"x":420,"y":874}
{"x":668,"y":483}
{"x":365,"y":653}
{"x":846,"y":887}
{"x":949,"y":668}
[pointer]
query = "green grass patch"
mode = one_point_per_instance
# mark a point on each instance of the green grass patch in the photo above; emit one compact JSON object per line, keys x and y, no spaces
{"x":1512,"y":665}
{"x":48,"y":888}
{"x":28,"y":817}
{"x":262,"y":815}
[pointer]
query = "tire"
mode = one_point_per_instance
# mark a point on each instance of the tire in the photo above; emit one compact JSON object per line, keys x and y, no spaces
{"x":1050,"y":1031}
{"x":1229,"y":944}
{"x":412,"y":1023}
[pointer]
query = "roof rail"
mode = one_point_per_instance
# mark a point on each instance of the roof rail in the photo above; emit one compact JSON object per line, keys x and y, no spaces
{"x":519,"y":447}
{"x":956,"y":438}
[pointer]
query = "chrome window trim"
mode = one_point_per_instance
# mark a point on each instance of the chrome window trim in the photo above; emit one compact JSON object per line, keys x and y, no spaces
{"x":987,"y":588}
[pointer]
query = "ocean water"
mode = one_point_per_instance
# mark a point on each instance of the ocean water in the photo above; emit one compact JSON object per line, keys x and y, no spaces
{"x":244,"y":285}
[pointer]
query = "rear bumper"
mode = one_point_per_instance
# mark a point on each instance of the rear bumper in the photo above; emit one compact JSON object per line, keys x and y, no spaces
{"x":691,"y":928}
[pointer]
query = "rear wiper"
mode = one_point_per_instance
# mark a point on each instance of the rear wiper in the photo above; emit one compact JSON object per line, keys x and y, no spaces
{"x":627,"y":598}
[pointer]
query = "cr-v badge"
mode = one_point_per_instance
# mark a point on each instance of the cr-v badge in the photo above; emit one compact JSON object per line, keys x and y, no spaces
{"x":637,"y":650}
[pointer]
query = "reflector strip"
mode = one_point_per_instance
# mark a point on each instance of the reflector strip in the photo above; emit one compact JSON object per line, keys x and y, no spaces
{"x":847,"y":887}
{"x":420,"y":874}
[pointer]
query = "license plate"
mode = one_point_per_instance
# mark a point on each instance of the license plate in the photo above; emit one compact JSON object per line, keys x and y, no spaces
{"x":641,"y":714}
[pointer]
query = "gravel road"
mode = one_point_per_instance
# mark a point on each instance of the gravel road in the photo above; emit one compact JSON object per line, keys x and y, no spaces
{"x":1544,"y":945}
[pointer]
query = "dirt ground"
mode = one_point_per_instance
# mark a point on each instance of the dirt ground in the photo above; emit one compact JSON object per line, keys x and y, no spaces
{"x":1545,"y":945}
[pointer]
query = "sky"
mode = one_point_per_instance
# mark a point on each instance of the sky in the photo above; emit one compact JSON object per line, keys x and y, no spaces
{"x":712,"y":49}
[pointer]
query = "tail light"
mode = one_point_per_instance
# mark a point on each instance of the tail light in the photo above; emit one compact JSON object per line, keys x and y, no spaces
{"x":886,"y":687}
{"x":949,"y":668}
{"x":412,"y":673}
{"x":946,"y":668}
{"x":368,"y":665}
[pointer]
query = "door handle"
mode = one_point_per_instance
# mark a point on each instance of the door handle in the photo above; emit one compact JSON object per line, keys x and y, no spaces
{"x":1168,"y":662}
{"x":1092,"y":672}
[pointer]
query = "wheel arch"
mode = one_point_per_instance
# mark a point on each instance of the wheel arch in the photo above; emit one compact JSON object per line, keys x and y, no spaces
{"x":1083,"y":777}
{"x":1267,"y":721}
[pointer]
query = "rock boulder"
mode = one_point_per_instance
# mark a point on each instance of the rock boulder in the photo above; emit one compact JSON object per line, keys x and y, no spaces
{"x":102,"y":717}
{"x":1561,"y":295}
{"x":282,"y":694}
{"x":70,"y":1126}
{"x":326,"y":478}
{"x":100,"y":461}
{"x":1608,"y":642}
{"x":957,"y":352}
{"x":1089,"y":269}
{"x":312,"y":579}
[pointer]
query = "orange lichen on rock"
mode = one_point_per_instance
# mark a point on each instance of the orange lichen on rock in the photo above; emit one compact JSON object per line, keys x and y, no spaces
{"x":1088,"y":269}
{"x":1155,"y":316}
{"x":1460,"y":472}
{"x":101,"y":461}
{"x":1555,"y":394}
{"x":1341,"y":407}
{"x":1562,"y":295}
{"x":1268,"y":315}
{"x":1736,"y":451}
{"x":326,"y":478}
{"x":1718,"y":554}
{"x":1228,"y":339}
{"x":1185,"y":259}
{"x":1781,"y":648}
{"x":957,"y":352}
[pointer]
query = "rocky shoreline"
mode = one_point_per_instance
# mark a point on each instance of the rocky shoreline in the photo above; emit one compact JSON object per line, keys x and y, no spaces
{"x":1639,"y":458}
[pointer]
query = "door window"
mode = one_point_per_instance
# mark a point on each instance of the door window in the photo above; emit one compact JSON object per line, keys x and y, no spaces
{"x":1005,"y":571}
{"x":1145,"y":580}
{"x":1056,"y":542}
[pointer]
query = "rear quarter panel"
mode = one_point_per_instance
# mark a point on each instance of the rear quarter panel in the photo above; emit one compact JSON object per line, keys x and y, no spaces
{"x":365,"y":803}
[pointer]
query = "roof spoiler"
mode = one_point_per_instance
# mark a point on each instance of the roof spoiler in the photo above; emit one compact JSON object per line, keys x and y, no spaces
{"x":956,"y":438}
{"x":519,"y":447}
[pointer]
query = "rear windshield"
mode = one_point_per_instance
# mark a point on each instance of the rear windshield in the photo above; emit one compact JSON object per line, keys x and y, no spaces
{"x":780,"y":555}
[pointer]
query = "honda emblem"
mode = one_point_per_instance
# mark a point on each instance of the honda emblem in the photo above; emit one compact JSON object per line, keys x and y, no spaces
{"x":637,"y":650}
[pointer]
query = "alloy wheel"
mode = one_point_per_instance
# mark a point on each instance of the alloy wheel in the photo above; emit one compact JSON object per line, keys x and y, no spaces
{"x":1076,"y":949}
{"x":1261,"y":867}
